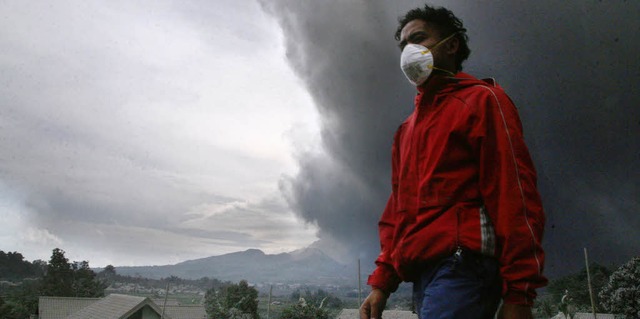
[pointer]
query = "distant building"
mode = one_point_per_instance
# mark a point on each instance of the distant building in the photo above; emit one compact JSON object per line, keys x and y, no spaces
{"x":588,"y":315}
{"x":114,"y":306}
{"x":387,"y":314}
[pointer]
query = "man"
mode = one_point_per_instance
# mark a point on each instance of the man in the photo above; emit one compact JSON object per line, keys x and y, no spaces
{"x":464,"y":220}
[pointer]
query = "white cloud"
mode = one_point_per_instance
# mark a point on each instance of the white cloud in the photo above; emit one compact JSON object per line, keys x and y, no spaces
{"x":144,"y":114}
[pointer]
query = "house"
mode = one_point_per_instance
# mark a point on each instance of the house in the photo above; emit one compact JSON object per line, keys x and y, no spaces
{"x":387,"y":314}
{"x":117,"y":306}
{"x":185,"y":312}
{"x":61,"y":307}
{"x":114,"y":306}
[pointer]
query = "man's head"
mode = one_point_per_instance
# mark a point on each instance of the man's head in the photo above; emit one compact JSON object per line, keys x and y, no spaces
{"x":427,"y":26}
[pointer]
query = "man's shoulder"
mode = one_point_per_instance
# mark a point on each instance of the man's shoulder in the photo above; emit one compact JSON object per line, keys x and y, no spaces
{"x":403,"y":125}
{"x":484,"y":85}
{"x":401,"y":128}
{"x":481,"y":90}
{"x":490,"y":82}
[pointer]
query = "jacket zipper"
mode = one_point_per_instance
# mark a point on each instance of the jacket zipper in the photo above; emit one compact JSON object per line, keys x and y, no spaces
{"x":458,"y":229}
{"x":458,"y":254}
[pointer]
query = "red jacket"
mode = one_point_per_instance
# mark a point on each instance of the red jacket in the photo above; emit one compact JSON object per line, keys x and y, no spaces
{"x":462,"y":177}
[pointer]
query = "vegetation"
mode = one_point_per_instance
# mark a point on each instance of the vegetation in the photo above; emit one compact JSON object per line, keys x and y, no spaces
{"x":65,"y":279}
{"x":20,"y":301}
{"x":621,"y":294}
{"x":22,"y":282}
{"x":575,"y":290}
{"x":58,"y":277}
{"x":311,"y":305}
{"x":116,"y":281}
{"x":544,"y":307}
{"x":304,"y":311}
{"x":319,"y":298}
{"x":232,"y":301}
{"x":13,"y":267}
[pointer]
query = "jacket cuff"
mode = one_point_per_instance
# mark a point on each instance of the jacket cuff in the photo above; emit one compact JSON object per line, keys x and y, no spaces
{"x":385,"y":279}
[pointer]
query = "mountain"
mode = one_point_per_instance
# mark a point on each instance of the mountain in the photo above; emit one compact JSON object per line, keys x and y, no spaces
{"x":307,"y":265}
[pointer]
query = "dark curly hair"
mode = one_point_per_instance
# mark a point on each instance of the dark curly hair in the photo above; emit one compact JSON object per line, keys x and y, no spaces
{"x":445,"y":21}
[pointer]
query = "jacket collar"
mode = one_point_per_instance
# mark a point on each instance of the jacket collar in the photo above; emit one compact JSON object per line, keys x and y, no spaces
{"x":440,"y":83}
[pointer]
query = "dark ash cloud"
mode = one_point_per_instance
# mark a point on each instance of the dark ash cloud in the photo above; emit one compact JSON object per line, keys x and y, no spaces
{"x":570,"y":67}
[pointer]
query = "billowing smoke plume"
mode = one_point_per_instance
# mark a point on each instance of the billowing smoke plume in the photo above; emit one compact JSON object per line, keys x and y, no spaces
{"x":570,"y":67}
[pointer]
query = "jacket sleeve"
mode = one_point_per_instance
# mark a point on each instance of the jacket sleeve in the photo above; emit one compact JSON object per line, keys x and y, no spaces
{"x":507,"y":180}
{"x":384,"y":276}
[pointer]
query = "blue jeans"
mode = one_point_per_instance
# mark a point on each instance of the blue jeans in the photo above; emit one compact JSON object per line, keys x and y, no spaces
{"x":465,"y":286}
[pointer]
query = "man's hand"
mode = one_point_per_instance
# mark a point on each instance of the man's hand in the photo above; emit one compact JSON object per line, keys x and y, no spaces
{"x":373,"y":305}
{"x":510,"y":311}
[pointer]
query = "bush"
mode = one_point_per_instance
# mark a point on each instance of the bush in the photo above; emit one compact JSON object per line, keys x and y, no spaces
{"x":319,"y":298}
{"x":621,"y":295}
{"x":304,"y":311}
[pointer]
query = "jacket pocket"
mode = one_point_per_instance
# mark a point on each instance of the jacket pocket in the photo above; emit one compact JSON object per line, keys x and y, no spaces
{"x":435,"y":193}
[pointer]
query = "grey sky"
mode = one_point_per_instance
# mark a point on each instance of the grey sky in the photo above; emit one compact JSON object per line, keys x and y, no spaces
{"x":147,"y":132}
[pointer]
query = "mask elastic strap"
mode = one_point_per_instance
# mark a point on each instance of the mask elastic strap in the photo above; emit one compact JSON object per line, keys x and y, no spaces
{"x":443,"y":41}
{"x":435,"y":46}
{"x":439,"y":69}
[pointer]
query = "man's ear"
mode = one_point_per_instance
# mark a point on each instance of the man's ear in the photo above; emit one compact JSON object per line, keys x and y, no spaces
{"x":453,"y":45}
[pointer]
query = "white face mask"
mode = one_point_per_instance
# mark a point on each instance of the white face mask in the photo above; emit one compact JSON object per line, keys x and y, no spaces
{"x":416,"y":62}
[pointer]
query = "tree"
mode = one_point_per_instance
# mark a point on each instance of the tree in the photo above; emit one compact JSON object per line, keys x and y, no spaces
{"x":58,"y":280}
{"x":622,"y":293}
{"x":108,"y":274}
{"x":85,"y":283}
{"x":40,"y":267}
{"x":232,"y":301}
{"x":63,"y":279}
{"x":108,"y":271}
{"x":22,"y":301}
{"x":13,"y":267}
